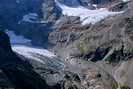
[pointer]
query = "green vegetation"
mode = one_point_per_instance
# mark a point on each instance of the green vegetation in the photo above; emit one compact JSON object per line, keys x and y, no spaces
{"x":83,"y":47}
{"x":114,"y":85}
{"x":125,"y":87}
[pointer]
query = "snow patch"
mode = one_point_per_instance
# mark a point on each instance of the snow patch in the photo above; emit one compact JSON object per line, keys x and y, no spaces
{"x":15,"y":39}
{"x":95,"y":5}
{"x":125,"y":0}
{"x":18,"y":1}
{"x":40,"y":55}
{"x":31,"y":18}
{"x":19,"y":45}
{"x":29,"y":51}
{"x":86,"y":15}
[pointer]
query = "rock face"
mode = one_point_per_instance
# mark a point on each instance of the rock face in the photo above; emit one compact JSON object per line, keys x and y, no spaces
{"x":39,"y":14}
{"x":91,"y":76}
{"x":19,"y":72}
{"x":105,"y":40}
{"x":123,"y":74}
{"x":108,"y":40}
{"x":51,"y":12}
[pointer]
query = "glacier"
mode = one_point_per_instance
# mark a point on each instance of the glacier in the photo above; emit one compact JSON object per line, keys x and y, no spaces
{"x":29,"y":51}
{"x":86,"y":15}
{"x":16,"y":39}
{"x":23,"y":46}
{"x":31,"y":18}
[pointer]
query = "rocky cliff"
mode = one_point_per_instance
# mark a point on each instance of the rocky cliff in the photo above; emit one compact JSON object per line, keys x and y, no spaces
{"x":40,"y":14}
{"x":107,"y":43}
{"x":91,"y":38}
{"x":18,"y":72}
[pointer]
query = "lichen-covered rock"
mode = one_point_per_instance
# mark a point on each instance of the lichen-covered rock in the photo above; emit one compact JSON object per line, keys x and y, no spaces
{"x":24,"y":74}
{"x":89,"y":76}
{"x":123,"y":74}
{"x":109,"y":39}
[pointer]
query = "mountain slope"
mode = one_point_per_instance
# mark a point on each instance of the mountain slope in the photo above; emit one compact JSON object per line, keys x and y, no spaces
{"x":92,"y":41}
{"x":17,"y":70}
{"x":86,"y":16}
{"x":34,"y":54}
{"x":43,"y":15}
{"x":25,"y":74}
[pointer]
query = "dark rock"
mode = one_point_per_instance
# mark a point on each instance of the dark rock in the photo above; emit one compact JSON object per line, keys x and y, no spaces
{"x":11,"y":18}
{"x":119,"y":6}
{"x":19,"y":72}
{"x":66,"y":20}
{"x":22,"y":75}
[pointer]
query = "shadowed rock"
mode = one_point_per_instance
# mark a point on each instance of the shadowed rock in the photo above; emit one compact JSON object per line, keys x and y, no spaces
{"x":19,"y":72}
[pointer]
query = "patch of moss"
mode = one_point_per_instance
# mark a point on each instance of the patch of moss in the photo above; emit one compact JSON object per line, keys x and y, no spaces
{"x":83,"y":46}
{"x":114,"y":85}
{"x":125,"y":87}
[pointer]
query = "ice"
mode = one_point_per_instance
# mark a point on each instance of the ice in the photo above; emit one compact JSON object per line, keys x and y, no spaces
{"x":31,"y":18}
{"x":86,"y":15}
{"x":29,"y":51}
{"x":15,"y":39}
{"x":21,"y":46}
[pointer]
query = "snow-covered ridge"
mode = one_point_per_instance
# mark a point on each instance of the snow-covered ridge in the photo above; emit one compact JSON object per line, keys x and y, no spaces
{"x":86,"y":16}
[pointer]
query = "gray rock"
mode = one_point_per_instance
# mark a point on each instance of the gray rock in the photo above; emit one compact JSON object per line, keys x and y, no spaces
{"x":66,"y":20}
{"x":123,"y":74}
{"x":19,"y":72}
